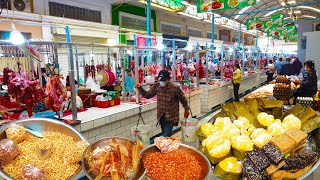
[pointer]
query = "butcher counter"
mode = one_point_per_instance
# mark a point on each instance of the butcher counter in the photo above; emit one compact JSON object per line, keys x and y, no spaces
{"x":118,"y":120}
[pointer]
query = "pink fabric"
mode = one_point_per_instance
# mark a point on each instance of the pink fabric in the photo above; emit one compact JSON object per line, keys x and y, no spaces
{"x":112,"y":78}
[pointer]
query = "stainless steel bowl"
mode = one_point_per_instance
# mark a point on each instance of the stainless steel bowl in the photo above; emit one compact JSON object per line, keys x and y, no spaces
{"x":204,"y":162}
{"x":138,"y":174}
{"x":44,"y":125}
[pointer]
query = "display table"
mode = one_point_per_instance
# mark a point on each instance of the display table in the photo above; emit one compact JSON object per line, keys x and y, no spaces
{"x":97,"y":123}
{"x":213,"y":95}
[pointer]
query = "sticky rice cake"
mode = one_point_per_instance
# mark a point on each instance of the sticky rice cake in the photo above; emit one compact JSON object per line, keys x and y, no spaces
{"x":283,"y":142}
{"x":297,"y":135}
{"x":273,"y":153}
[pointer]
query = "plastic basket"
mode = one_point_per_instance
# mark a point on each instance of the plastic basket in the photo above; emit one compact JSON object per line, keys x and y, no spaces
{"x":45,"y":115}
{"x":102,"y":104}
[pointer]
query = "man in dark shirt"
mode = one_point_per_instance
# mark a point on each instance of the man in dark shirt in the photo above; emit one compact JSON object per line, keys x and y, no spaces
{"x":169,"y":95}
{"x":297,"y":65}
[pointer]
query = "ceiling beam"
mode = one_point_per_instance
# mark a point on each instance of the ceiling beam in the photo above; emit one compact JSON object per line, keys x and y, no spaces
{"x":272,"y":9}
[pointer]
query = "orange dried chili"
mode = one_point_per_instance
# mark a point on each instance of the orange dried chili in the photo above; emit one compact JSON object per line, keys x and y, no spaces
{"x":175,"y":165}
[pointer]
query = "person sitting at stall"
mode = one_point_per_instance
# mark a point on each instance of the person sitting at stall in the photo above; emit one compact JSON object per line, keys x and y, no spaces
{"x":44,"y":77}
{"x":270,"y":71}
{"x":236,"y":82}
{"x":129,"y":84}
{"x":308,"y":86}
{"x":169,"y":95}
{"x":68,"y":83}
{"x":109,"y":86}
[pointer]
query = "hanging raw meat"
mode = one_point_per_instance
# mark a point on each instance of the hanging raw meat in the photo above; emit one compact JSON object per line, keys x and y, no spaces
{"x":202,"y":72}
{"x":141,"y":75}
{"x":6,"y":75}
{"x":56,"y":93}
{"x":26,"y":91}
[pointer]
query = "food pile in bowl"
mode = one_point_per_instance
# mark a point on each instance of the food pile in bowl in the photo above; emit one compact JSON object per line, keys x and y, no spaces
{"x":55,"y":156}
{"x":170,"y":161}
{"x":257,"y":140}
{"x":112,"y":159}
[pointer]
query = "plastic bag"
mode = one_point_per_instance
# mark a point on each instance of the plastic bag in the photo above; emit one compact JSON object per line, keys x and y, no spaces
{"x":30,"y":172}
{"x":16,"y":133}
{"x":8,"y":151}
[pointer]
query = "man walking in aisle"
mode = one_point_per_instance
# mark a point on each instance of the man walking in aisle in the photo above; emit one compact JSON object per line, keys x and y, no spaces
{"x":279,"y":66}
{"x":236,"y":82}
{"x":169,"y":96}
{"x":297,"y":65}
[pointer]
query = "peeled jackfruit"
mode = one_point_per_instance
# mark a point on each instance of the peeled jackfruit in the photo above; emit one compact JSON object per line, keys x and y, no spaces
{"x":276,"y":128}
{"x":242,"y":123}
{"x":221,"y":150}
{"x":240,"y":146}
{"x":265,"y":119}
{"x":213,"y":140}
{"x":257,"y":132}
{"x":230,"y":168}
{"x":230,"y":131}
{"x":216,"y":148}
{"x":205,"y":130}
{"x":262,"y":140}
{"x":291,"y":122}
{"x":220,"y":123}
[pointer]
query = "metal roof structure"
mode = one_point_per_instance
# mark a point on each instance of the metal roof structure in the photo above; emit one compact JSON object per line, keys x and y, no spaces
{"x":303,"y":9}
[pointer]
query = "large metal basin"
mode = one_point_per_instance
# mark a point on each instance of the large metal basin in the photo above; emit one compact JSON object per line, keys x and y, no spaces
{"x":204,"y":162}
{"x":45,"y":125}
{"x":138,"y":174}
{"x":313,"y":144}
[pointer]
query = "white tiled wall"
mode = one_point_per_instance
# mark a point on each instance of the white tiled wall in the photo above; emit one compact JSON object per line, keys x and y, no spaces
{"x":119,"y":123}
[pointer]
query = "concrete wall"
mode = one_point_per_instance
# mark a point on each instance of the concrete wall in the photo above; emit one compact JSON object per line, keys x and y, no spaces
{"x":185,"y":22}
{"x":42,"y":7}
{"x":313,"y":48}
{"x":304,"y":26}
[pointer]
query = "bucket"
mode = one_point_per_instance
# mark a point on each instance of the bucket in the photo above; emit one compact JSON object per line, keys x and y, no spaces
{"x":142,"y":132}
{"x":189,"y":128}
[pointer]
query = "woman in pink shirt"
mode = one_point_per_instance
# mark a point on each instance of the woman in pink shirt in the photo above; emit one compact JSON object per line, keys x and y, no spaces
{"x":109,"y":86}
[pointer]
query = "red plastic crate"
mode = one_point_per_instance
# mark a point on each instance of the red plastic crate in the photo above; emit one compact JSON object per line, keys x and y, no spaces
{"x":117,"y":101}
{"x":102,"y":104}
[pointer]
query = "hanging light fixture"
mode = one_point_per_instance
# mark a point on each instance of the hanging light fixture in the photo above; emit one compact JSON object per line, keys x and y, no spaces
{"x":16,"y":37}
{"x":189,"y":47}
{"x":160,"y":46}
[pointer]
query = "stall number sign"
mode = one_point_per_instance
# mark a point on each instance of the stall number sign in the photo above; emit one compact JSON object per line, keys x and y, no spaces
{"x":213,"y":5}
{"x":142,"y":40}
{"x":273,"y":21}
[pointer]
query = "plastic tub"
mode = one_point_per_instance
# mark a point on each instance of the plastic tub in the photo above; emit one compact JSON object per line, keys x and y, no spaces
{"x":49,"y":115}
{"x":141,"y":132}
{"x":189,"y":128}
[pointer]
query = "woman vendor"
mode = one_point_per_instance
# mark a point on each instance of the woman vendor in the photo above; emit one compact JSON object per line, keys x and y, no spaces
{"x":308,"y":85}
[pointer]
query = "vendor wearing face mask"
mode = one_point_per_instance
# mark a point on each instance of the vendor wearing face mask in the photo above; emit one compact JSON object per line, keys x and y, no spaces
{"x":169,"y":96}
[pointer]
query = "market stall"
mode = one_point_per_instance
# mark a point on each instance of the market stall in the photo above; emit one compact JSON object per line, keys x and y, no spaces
{"x":264,"y":138}
{"x":221,"y":91}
